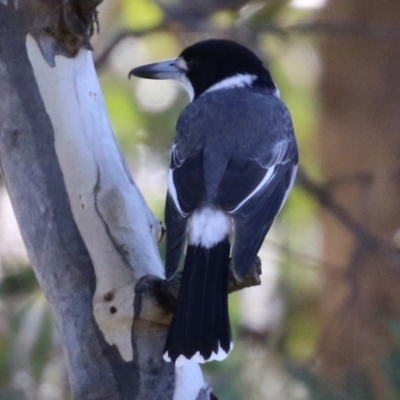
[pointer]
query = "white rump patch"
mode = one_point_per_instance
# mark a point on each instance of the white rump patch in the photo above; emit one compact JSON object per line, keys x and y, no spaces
{"x":209,"y":226}
{"x":182,"y":360}
{"x":236,"y":81}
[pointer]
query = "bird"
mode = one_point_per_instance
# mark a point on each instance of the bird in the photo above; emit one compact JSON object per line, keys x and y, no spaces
{"x":233,"y":162}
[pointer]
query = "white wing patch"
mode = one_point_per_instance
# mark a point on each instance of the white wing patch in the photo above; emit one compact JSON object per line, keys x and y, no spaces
{"x":279,"y":153}
{"x":267,"y":178}
{"x":172,"y":192}
{"x":292,"y":179}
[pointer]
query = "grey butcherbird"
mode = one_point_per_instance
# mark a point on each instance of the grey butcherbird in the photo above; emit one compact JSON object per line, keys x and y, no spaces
{"x":233,"y":162}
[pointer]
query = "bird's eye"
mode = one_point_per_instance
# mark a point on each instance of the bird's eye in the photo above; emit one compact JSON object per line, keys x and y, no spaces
{"x":192,"y":63}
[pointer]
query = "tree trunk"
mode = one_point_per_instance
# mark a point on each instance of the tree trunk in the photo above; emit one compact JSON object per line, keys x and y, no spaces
{"x":88,"y":232}
{"x":360,"y":156}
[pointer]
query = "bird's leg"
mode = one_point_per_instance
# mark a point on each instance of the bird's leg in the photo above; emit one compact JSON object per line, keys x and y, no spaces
{"x":252,"y":277}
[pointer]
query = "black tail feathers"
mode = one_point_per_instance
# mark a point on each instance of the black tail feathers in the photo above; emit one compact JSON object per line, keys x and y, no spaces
{"x":200,"y":328}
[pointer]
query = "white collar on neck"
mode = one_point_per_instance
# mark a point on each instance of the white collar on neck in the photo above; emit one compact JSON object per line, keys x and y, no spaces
{"x":235,"y":81}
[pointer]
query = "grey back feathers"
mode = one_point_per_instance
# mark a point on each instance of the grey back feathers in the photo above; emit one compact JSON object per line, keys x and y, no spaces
{"x":241,"y":153}
{"x":253,"y":130}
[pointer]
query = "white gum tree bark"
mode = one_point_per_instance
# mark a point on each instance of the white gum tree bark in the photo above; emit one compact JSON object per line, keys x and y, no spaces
{"x":89,"y":234}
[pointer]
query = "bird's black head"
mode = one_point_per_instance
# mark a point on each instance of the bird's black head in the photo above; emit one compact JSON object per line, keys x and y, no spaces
{"x":211,"y":64}
{"x":212,"y":61}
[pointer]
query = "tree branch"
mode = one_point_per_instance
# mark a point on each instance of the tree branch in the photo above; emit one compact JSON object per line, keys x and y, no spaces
{"x":364,"y":238}
{"x":164,"y":293}
{"x":325,"y":199}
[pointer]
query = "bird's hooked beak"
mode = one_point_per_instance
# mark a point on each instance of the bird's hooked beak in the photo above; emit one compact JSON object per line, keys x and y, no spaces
{"x":173,"y":68}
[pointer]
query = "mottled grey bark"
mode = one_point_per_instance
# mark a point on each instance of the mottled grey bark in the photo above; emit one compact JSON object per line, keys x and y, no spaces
{"x":35,"y":182}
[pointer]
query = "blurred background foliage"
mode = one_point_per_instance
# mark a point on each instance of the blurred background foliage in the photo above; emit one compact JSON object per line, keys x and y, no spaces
{"x":279,"y":326}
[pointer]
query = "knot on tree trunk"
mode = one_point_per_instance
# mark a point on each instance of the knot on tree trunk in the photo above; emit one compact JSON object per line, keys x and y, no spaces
{"x":61,"y":29}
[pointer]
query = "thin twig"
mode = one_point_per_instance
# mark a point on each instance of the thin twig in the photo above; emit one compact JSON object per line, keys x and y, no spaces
{"x":363,"y":236}
{"x":326,"y":199}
